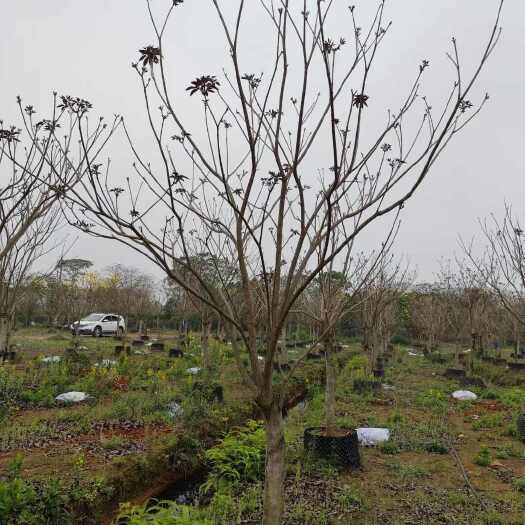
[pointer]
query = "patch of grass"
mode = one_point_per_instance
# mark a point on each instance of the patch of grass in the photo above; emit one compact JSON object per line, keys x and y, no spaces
{"x":389,"y":448}
{"x":436,"y":447}
{"x":349,"y":497}
{"x":113,"y":443}
{"x":433,"y":399}
{"x":406,"y":470}
{"x":488,"y":421}
{"x":491,"y":517}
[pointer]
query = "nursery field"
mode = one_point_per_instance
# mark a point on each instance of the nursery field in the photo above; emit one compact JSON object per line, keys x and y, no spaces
{"x":149,"y":428}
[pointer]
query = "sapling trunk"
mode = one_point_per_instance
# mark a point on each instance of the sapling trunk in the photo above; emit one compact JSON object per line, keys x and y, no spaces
{"x":4,"y":333}
{"x":330,"y":387}
{"x":206,"y":327}
{"x":275,"y":467}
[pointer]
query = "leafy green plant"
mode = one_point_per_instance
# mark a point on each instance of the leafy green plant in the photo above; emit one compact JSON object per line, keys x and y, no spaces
{"x":349,"y":497}
{"x":238,"y":458}
{"x":483,"y":458}
{"x":488,"y":421}
{"x":162,"y":513}
{"x":519,"y":484}
{"x":433,"y":399}
{"x":435,"y":447}
{"x":389,"y":447}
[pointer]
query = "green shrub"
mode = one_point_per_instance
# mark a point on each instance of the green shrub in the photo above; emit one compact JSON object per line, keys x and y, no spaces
{"x":489,"y":394}
{"x":514,"y":397}
{"x":162,"y":513}
{"x":433,"y":399}
{"x":17,"y":500}
{"x":435,"y":447}
{"x":484,"y":458}
{"x":238,"y":458}
{"x":488,"y":421}
{"x":356,"y":362}
{"x":519,"y":484}
{"x":389,"y":447}
{"x":32,"y":502}
{"x":349,"y":497}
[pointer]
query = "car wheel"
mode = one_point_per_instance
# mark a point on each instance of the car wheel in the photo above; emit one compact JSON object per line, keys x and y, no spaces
{"x":97,"y":332}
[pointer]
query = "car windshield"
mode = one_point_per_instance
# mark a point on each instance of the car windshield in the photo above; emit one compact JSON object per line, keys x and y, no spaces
{"x":93,"y":317}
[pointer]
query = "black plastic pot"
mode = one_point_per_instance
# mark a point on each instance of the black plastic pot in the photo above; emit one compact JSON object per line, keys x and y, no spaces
{"x":175,"y":352}
{"x":213,"y":393}
{"x":363,"y":386}
{"x":520,"y":426}
{"x":473,"y":381}
{"x":157,"y":347}
{"x":379,"y":372}
{"x":516,"y":366}
{"x":120,"y":349}
{"x":281,"y":366}
{"x":341,"y":451}
{"x":455,"y":373}
{"x":137,"y":342}
{"x":313,"y":356}
{"x":9,"y":356}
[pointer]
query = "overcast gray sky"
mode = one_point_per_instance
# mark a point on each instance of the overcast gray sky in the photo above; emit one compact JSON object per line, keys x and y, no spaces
{"x":86,"y":48}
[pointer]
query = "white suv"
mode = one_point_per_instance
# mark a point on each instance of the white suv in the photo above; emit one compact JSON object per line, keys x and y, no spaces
{"x":99,"y":325}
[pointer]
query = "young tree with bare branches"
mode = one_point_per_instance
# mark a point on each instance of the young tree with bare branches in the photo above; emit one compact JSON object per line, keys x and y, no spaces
{"x":242,"y":185}
{"x":502,"y":264}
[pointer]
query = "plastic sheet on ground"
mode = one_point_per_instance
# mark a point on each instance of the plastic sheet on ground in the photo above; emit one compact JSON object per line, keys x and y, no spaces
{"x":72,"y":397}
{"x":51,"y":359}
{"x":370,"y":437}
{"x":194,"y":370}
{"x":464,"y":395}
{"x":106,"y":363}
{"x":174,"y":409}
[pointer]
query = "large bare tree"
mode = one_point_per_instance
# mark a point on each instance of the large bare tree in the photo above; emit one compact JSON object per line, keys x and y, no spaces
{"x":280,"y":162}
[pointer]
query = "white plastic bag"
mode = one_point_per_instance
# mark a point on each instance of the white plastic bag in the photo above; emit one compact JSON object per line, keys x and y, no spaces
{"x":370,"y":437}
{"x":175,"y":410}
{"x":464,"y":395}
{"x":72,"y":397}
{"x":51,"y":359}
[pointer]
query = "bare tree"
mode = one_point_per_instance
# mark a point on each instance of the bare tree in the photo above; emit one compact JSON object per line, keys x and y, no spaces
{"x":502,"y":265}
{"x":378,"y":305}
{"x":34,"y":174}
{"x":241,"y":187}
{"x":18,"y":260}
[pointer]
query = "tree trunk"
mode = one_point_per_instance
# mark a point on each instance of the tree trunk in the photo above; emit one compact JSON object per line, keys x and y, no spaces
{"x":283,"y":349}
{"x":4,"y":333}
{"x":275,"y":467}
{"x":330,"y":387}
{"x":206,"y":326}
